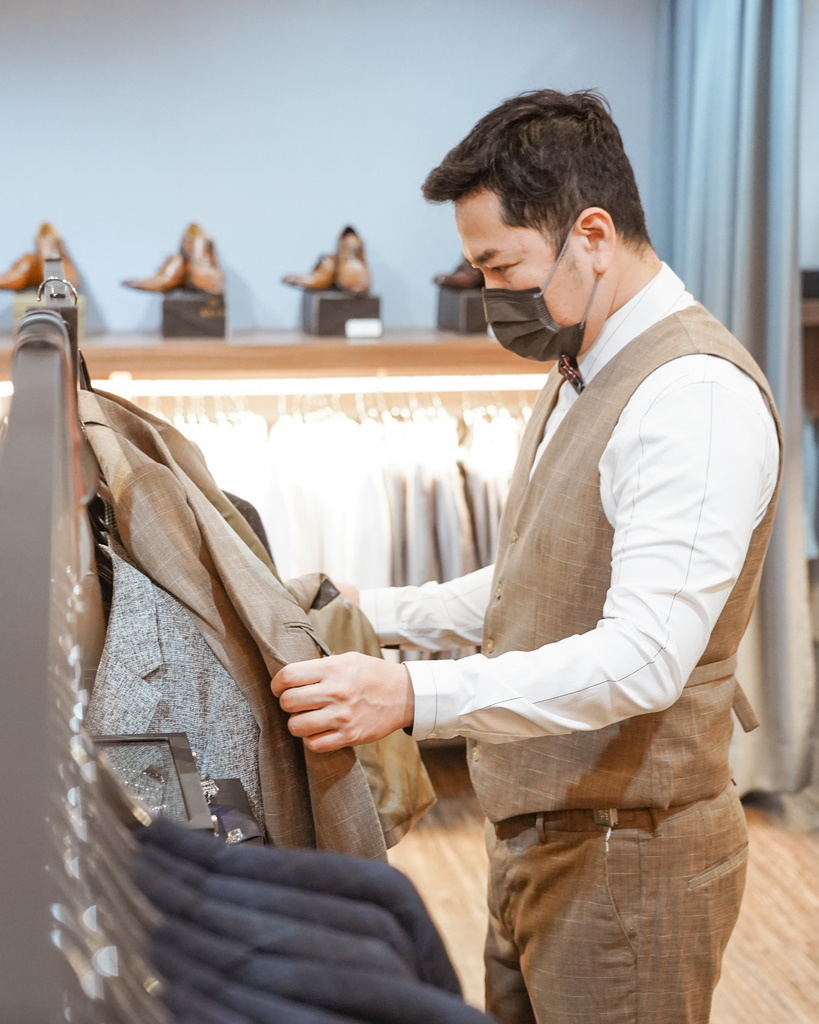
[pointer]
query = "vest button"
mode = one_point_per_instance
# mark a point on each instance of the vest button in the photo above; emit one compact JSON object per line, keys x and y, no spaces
{"x":489,"y":646}
{"x":476,"y":754}
{"x":515,"y":536}
{"x":499,"y":589}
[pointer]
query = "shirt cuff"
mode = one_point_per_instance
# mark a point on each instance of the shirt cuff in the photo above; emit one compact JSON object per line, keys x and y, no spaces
{"x":435,"y":688}
{"x":380,"y":608}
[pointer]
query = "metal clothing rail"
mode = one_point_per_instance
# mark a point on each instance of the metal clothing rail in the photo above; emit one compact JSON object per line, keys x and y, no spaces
{"x":38,"y":548}
{"x":70,"y":924}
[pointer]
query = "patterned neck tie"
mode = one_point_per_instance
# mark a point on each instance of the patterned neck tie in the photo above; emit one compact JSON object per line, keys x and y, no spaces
{"x":569,"y":370}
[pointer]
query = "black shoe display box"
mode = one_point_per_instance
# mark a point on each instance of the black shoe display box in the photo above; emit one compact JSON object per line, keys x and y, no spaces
{"x":461,"y":310}
{"x":190,"y":314}
{"x":326,"y":313}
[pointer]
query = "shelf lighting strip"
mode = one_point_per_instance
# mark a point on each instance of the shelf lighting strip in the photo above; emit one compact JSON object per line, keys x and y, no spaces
{"x":124,"y":385}
{"x":273,"y":387}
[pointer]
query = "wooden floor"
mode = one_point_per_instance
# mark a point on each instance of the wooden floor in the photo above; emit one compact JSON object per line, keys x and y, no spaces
{"x":771,"y":969}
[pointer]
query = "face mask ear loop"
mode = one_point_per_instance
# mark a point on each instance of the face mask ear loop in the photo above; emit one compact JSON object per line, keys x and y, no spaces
{"x":591,"y":299}
{"x":563,"y":249}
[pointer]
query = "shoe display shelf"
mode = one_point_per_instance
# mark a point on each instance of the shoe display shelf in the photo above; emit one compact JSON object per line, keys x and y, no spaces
{"x":283,"y":354}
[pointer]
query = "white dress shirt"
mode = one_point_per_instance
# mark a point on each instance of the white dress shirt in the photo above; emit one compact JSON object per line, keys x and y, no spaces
{"x":687,"y":474}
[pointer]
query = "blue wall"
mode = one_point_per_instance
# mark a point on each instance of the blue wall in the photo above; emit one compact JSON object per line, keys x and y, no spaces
{"x":274,"y":124}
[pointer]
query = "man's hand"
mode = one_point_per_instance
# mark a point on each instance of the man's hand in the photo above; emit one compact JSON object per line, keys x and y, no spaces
{"x":344,"y":700}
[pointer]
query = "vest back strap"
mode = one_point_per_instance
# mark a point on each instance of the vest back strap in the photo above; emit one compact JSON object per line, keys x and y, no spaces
{"x":721,"y":670}
{"x":744,"y":711}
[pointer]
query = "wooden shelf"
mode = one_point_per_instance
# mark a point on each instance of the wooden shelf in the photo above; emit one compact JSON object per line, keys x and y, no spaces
{"x":279,"y":354}
{"x":290,"y":354}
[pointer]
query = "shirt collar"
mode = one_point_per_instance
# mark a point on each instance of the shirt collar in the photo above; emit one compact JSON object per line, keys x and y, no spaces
{"x":664,"y":294}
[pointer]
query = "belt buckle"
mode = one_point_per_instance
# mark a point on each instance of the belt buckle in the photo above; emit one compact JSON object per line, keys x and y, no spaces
{"x":606,"y":816}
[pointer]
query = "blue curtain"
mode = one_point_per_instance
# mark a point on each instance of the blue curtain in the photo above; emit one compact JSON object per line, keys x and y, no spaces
{"x":726,"y":220}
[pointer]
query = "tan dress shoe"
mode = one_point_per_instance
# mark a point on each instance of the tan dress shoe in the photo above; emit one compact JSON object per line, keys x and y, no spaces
{"x":169,"y":276}
{"x":192,"y":232}
{"x":352,"y":272}
{"x":462,"y":277}
{"x":27,"y":272}
{"x":204,"y":273}
{"x":49,"y":245}
{"x":320,"y":278}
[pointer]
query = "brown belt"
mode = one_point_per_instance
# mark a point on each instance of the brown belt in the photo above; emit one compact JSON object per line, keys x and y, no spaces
{"x":582,"y":820}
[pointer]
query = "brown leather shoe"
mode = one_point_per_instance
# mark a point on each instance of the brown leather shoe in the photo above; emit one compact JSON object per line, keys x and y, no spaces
{"x":462,"y":277}
{"x":204,"y":273}
{"x":49,"y":245}
{"x":352,"y":272}
{"x":192,"y":232}
{"x":27,"y":272}
{"x":320,"y":278}
{"x":170,"y":275}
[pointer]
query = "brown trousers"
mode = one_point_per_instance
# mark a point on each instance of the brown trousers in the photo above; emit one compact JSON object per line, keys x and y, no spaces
{"x":588,"y":931}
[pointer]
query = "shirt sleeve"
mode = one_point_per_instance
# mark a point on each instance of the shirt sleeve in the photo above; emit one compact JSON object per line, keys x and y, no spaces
{"x":434,"y":617}
{"x":687,"y":474}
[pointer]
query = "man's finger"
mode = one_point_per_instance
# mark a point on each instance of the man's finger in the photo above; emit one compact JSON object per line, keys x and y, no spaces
{"x":325,"y":742}
{"x":311,"y":723}
{"x":299,"y":673}
{"x":298,"y":699}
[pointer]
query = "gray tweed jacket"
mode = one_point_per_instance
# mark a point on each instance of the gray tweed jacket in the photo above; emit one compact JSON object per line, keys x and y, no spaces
{"x":157,"y":674}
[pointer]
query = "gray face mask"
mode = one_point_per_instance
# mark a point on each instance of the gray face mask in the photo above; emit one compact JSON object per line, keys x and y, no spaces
{"x":522,"y":323}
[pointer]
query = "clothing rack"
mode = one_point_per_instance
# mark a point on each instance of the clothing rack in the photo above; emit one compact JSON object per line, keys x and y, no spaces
{"x":38,"y":544}
{"x":75,"y":925}
{"x":72,"y":922}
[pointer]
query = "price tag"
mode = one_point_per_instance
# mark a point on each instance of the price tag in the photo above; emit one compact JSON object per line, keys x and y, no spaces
{"x":363,"y":328}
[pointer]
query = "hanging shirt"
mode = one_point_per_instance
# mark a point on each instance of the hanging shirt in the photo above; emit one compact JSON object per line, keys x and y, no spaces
{"x":687,"y":475}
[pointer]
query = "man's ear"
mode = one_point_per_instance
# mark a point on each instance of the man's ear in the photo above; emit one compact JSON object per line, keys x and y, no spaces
{"x":599,"y":236}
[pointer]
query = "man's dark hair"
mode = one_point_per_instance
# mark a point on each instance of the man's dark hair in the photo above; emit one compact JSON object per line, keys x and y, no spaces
{"x":547,"y":155}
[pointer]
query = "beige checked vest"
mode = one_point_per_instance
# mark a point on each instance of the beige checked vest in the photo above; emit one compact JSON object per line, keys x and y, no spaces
{"x":551,"y":577}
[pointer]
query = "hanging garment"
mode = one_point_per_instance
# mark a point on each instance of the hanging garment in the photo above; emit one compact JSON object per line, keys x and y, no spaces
{"x":251,"y":515}
{"x":326,"y":506}
{"x":395,"y":499}
{"x":179,"y":529}
{"x":398,"y":780}
{"x":157,"y":674}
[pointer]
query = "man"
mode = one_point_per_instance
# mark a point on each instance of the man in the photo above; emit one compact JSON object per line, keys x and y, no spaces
{"x":598,"y":714}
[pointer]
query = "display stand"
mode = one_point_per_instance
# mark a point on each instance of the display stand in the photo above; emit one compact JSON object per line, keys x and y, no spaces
{"x":327,"y":312}
{"x":190,"y":314}
{"x":461,"y":310}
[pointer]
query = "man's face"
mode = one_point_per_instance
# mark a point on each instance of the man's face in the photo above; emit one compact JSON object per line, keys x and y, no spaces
{"x":517,"y":258}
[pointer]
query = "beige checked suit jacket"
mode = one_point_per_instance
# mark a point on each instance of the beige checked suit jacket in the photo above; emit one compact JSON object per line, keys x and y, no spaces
{"x":181,"y":531}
